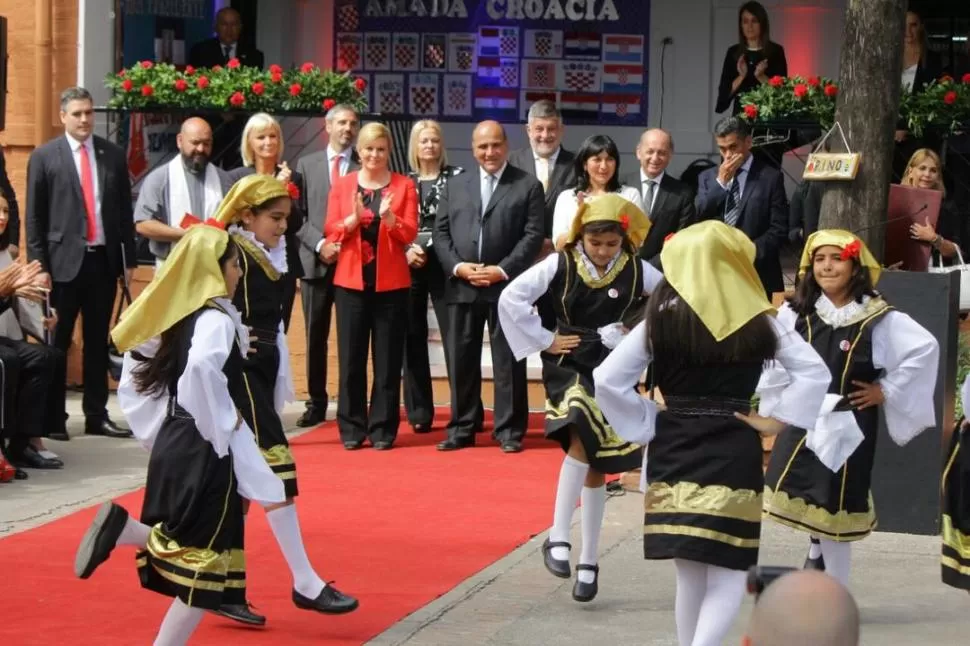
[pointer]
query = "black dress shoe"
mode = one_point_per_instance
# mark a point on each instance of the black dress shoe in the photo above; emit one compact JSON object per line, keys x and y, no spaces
{"x":353,"y":445}
{"x":59,"y":436}
{"x":312,"y":417}
{"x":330,"y":601}
{"x":383,"y":445}
{"x":455,"y":443}
{"x":242,"y":613}
{"x":584,"y":592}
{"x":420,"y":429}
{"x":30,"y":458}
{"x":20,"y":474}
{"x":512,"y":446}
{"x":556,"y":566}
{"x":100,"y":539}
{"x":105,"y":427}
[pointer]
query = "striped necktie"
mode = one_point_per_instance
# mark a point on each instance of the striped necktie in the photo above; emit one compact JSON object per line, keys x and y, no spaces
{"x":732,"y":208}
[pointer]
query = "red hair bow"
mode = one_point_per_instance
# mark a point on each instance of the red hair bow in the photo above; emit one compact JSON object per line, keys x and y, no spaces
{"x":293,"y":190}
{"x":624,"y":222}
{"x":851,"y":250}
{"x":212,"y":222}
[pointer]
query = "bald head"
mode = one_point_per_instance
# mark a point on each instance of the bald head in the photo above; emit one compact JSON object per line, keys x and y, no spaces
{"x":195,"y":143}
{"x":228,"y":25}
{"x":655,"y":149}
{"x":805,"y":608}
{"x":490,"y":146}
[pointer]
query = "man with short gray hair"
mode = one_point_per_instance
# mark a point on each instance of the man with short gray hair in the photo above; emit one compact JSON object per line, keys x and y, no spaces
{"x":546,"y":159}
{"x":318,"y":171}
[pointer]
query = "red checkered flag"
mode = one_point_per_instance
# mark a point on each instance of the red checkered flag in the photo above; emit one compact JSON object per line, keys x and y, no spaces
{"x":509,"y":44}
{"x":424,"y":100}
{"x":434,"y":56}
{"x":543,"y":44}
{"x":404,"y":55}
{"x":377,"y":53}
{"x":464,"y":57}
{"x":391,"y":101}
{"x":510,"y":75}
{"x":458,"y":97}
{"x":621,"y":109}
{"x":348,"y":56}
{"x":348,"y":18}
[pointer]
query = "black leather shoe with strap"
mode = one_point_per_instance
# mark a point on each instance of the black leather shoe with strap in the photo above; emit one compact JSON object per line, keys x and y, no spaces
{"x":557,"y":567}
{"x":243,"y":613}
{"x":584,"y":592}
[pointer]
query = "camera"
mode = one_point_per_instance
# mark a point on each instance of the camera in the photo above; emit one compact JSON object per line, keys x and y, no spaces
{"x":761,"y":576}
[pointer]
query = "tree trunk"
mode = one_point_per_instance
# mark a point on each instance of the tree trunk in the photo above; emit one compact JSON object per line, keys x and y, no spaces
{"x":867,"y":108}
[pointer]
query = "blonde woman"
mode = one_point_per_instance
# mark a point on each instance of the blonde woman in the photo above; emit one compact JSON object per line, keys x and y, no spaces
{"x":925,"y":171}
{"x":372,"y":214}
{"x":261,"y":149}
{"x":430,"y":173}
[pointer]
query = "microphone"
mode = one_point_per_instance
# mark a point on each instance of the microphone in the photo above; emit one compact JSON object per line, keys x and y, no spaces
{"x":895,"y":219}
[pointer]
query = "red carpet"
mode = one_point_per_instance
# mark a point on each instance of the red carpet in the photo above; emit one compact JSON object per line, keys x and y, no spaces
{"x":395,"y":529}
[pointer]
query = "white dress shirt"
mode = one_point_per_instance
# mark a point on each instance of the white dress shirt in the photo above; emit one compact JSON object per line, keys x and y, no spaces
{"x":76,"y":153}
{"x":656,"y":189}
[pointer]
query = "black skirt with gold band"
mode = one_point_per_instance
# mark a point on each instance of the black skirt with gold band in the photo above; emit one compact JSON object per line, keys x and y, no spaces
{"x":703,"y":500}
{"x":568,"y":380}
{"x":955,"y":560}
{"x":194,"y":550}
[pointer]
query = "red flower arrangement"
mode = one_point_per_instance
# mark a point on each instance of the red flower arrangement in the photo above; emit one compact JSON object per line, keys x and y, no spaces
{"x":800,"y":90}
{"x":366,"y":252}
{"x":751,"y":111}
{"x":776,"y":81}
{"x":966,"y":78}
{"x":950,"y":97}
{"x":293,"y":190}
{"x":233,"y":63}
{"x":851,"y":250}
{"x":624,"y":222}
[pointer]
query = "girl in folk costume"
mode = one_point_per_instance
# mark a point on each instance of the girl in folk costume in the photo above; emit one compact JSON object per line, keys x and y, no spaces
{"x":593,"y":283}
{"x":955,"y":559}
{"x":256,"y":210}
{"x":708,"y":331}
{"x":185,"y":345}
{"x":818,"y":481}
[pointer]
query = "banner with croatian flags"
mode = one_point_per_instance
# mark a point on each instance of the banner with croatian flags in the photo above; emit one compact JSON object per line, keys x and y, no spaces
{"x":495,"y":59}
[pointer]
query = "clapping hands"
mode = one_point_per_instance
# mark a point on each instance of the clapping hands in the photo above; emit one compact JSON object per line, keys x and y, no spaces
{"x":25,"y":279}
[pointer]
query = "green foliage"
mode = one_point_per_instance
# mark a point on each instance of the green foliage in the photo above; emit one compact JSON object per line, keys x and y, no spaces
{"x":147,"y":85}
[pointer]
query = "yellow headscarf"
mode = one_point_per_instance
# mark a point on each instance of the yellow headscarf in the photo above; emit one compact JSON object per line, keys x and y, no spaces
{"x":189,"y":278}
{"x":248,"y":192}
{"x":611,"y":207}
{"x":838,"y":238}
{"x":711,"y":265}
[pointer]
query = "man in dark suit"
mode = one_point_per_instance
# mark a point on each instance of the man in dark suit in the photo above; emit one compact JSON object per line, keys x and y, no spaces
{"x":79,"y":226}
{"x":546,"y":160}
{"x":748,"y":194}
{"x":219,"y":51}
{"x":668,"y":202}
{"x":316,"y":254}
{"x":491,"y":231}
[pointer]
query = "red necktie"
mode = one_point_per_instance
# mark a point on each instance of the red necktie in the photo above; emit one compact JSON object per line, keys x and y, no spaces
{"x":87,"y":188}
{"x":334,"y":170}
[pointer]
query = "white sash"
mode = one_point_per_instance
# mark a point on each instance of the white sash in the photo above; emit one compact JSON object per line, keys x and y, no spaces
{"x":179,"y":202}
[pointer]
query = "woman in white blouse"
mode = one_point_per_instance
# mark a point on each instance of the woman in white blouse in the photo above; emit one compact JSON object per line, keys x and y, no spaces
{"x":708,"y":332}
{"x":597,"y":173}
{"x":818,"y":480}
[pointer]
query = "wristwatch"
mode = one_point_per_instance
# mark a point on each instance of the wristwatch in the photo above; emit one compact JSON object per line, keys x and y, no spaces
{"x":937,"y":242}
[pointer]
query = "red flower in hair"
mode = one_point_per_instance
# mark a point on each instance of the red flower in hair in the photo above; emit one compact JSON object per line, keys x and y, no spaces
{"x":851,"y":250}
{"x":293,"y":190}
{"x":366,"y":252}
{"x":624,"y":222}
{"x":212,"y":222}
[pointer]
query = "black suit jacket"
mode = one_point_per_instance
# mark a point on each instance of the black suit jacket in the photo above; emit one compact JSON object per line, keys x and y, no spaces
{"x":313,"y":172}
{"x":208,"y":53}
{"x":293,"y":223}
{"x":673,"y":210}
{"x":56,"y":218}
{"x":562,"y":176}
{"x":764,"y":215}
{"x":511,"y":226}
{"x":13,"y":220}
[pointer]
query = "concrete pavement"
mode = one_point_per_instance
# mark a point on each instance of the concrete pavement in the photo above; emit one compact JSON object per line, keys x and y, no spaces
{"x":516,"y":602}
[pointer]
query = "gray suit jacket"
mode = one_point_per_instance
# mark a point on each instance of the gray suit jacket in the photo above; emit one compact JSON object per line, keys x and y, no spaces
{"x":313,"y":177}
{"x":562,"y":176}
{"x":55,"y":215}
{"x":511,"y":230}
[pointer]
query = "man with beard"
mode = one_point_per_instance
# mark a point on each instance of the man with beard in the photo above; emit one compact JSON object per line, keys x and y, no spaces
{"x":188,"y":184}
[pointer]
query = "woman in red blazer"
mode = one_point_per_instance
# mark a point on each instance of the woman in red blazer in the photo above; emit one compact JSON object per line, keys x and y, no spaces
{"x":373,"y":216}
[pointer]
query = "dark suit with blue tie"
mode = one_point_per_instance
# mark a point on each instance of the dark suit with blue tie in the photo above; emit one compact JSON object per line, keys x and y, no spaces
{"x":761,"y":212}
{"x":507,"y":232}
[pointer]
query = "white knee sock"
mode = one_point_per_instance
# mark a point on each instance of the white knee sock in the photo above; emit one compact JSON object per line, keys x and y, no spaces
{"x":814,"y":548}
{"x":594,"y":506}
{"x":571,"y":478}
{"x":134,"y":533}
{"x":838,"y":559}
{"x":178,"y":625}
{"x":691,"y":585}
{"x":725,"y":592}
{"x":286,"y":528}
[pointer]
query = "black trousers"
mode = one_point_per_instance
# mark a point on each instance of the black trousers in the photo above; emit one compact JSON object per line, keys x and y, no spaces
{"x":427,"y":281}
{"x":369,"y":320}
{"x":91,"y":294}
{"x":317,"y":298}
{"x":466,"y":326}
{"x":289,"y":296}
{"x":26,"y":369}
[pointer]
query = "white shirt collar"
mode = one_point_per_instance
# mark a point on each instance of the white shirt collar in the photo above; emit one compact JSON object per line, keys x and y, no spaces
{"x":839,"y":316}
{"x":656,"y":180}
{"x":331,"y":153}
{"x":276,"y":255}
{"x":76,"y":144}
{"x":482,"y":173}
{"x":551,"y":159}
{"x":746,"y":166}
{"x":590,"y":265}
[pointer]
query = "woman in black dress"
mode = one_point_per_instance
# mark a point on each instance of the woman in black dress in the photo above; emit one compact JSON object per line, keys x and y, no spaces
{"x":709,"y":331}
{"x":754,"y":60}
